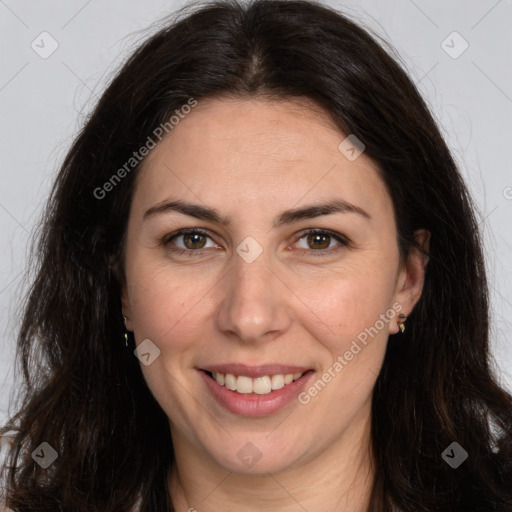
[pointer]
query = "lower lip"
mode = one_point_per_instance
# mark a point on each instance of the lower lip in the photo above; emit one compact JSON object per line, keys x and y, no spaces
{"x":253,"y":404}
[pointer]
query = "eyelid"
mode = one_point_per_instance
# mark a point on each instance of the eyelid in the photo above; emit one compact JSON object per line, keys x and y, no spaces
{"x":334,"y":234}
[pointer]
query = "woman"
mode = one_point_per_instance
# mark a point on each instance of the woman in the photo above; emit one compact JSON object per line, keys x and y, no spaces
{"x":260,"y":287}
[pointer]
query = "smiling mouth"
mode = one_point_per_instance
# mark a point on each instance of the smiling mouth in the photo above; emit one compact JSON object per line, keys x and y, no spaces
{"x":262,"y":385}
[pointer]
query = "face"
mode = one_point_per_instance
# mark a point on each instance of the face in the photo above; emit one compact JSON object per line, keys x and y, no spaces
{"x":287,"y":276}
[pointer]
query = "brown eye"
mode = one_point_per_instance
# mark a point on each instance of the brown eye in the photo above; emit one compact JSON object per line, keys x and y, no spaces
{"x":194,"y":240}
{"x":319,"y":240}
{"x":188,"y":241}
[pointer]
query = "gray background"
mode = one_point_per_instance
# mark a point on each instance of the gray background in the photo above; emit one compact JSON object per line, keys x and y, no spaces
{"x":43,"y":102}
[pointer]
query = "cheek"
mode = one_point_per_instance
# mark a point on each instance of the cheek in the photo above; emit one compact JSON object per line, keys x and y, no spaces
{"x":348,"y":323}
{"x":166,"y":303}
{"x":167,"y":307}
{"x":340,"y":307}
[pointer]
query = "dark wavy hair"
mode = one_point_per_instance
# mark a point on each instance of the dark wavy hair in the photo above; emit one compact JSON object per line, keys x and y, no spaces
{"x":84,"y":393}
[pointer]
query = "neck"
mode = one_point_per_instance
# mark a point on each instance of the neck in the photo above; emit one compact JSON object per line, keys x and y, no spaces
{"x":339,"y":479}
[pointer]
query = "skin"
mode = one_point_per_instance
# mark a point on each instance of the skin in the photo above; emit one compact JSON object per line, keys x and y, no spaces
{"x":251,"y":159}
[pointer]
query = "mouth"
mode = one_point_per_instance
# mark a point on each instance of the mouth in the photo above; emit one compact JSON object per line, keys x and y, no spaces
{"x":255,"y":391}
{"x":246,"y":385}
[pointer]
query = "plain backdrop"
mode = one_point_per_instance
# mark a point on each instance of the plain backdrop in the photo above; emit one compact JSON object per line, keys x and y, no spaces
{"x":457,"y":51}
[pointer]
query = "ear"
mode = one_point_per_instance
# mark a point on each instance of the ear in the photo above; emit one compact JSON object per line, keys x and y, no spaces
{"x":412,"y":275}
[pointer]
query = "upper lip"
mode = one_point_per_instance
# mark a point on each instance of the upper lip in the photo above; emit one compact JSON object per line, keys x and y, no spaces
{"x":254,"y":371}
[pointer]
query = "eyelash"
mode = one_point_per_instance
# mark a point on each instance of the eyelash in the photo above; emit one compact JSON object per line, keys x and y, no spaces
{"x":343,"y":241}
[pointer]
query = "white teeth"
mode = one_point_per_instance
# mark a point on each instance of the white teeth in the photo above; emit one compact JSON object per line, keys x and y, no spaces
{"x":230,"y":382}
{"x":260,"y":385}
{"x":244,"y":384}
{"x":277,"y":381}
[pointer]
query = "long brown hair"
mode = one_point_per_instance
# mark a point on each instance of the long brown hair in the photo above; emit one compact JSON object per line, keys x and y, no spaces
{"x":84,"y":392}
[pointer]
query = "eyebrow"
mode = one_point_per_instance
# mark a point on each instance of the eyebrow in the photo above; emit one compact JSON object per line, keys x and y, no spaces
{"x":287,"y":217}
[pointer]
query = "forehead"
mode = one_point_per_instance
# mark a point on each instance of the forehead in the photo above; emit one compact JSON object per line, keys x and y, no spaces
{"x":275,"y":129}
{"x":257,"y":153}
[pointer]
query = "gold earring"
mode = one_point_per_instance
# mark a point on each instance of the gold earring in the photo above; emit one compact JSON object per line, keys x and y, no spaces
{"x":402,"y":319}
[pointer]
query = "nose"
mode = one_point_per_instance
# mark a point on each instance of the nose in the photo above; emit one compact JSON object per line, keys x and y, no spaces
{"x":254,"y":304}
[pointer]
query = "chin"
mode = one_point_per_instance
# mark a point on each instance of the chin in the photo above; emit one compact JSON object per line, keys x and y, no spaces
{"x":258,"y":456}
